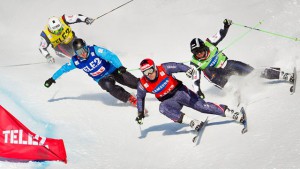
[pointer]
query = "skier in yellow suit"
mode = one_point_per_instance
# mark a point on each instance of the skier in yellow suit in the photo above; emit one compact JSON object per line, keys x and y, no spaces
{"x":59,"y":34}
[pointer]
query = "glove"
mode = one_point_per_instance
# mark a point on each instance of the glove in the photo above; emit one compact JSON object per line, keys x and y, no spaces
{"x":200,"y":94}
{"x":49,"y":82}
{"x":122,"y":69}
{"x":190,"y":73}
{"x":89,"y":21}
{"x":227,"y":23}
{"x":140,"y":117}
{"x":50,"y":59}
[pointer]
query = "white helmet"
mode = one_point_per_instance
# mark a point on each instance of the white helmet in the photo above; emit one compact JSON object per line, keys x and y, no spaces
{"x":55,"y":25}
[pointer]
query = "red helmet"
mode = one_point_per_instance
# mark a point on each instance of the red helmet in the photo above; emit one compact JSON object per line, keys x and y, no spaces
{"x":146,"y":64}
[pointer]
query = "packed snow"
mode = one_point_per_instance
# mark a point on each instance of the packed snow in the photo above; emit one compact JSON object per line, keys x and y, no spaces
{"x":100,"y":132}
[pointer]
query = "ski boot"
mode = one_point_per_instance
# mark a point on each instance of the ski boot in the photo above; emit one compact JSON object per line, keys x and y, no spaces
{"x":271,"y":73}
{"x":193,"y":123}
{"x":237,"y":116}
{"x":132,"y":100}
{"x":276,"y":73}
{"x":196,"y":125}
{"x":287,"y":76}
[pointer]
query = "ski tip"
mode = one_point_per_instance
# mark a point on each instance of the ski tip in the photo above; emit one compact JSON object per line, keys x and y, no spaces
{"x":244,"y":131}
{"x":194,"y":139}
{"x":292,"y":89}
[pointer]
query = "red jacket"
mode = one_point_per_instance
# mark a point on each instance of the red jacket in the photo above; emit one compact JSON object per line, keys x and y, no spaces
{"x":163,"y":86}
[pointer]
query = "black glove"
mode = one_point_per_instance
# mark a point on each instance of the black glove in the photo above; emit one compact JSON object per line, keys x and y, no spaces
{"x":200,"y":94}
{"x":89,"y":21}
{"x":49,"y":82}
{"x":122,"y":69}
{"x":190,"y":73}
{"x":140,"y":117}
{"x":227,"y":23}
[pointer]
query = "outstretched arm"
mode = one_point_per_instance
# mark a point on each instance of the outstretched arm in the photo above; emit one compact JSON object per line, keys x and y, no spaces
{"x":173,"y":67}
{"x":218,"y":37}
{"x":43,"y":47}
{"x":44,"y":43}
{"x":196,"y":78}
{"x":141,"y":94}
{"x":64,"y":69}
{"x":196,"y":82}
{"x":71,"y":19}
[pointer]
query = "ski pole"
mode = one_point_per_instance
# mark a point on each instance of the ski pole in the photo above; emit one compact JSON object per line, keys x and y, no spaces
{"x":140,"y":126}
{"x":261,"y":30}
{"x":130,"y":70}
{"x":236,"y":40}
{"x":23,"y":64}
{"x":240,"y":37}
{"x":113,"y":10}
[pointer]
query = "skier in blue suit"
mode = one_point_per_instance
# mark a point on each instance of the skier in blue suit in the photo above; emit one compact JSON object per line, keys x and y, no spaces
{"x":101,"y":65}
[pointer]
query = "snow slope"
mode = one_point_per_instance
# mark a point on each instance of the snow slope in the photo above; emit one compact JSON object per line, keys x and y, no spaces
{"x":100,"y":132}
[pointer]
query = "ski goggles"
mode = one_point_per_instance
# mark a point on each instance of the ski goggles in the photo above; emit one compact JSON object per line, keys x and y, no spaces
{"x":198,"y":50}
{"x":81,"y":51}
{"x":57,"y":32}
{"x":198,"y":54}
{"x":149,"y":71}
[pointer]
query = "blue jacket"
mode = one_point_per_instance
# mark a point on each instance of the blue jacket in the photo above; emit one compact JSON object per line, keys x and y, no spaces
{"x":100,"y":63}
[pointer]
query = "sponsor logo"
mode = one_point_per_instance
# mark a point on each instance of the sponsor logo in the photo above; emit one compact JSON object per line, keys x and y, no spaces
{"x":63,"y":37}
{"x":92,"y":65}
{"x":145,"y":67}
{"x":17,"y":137}
{"x":161,"y":86}
{"x":98,"y":72}
{"x":167,"y":91}
{"x":213,"y":61}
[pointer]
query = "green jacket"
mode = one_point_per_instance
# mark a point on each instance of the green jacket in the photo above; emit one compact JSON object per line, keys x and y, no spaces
{"x":215,"y":59}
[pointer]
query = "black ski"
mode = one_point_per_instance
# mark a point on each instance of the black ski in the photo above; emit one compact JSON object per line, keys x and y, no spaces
{"x":293,"y":87}
{"x":245,"y":128}
{"x":197,"y":138}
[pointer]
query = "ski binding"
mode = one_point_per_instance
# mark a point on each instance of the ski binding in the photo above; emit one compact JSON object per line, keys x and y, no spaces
{"x":196,"y":139}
